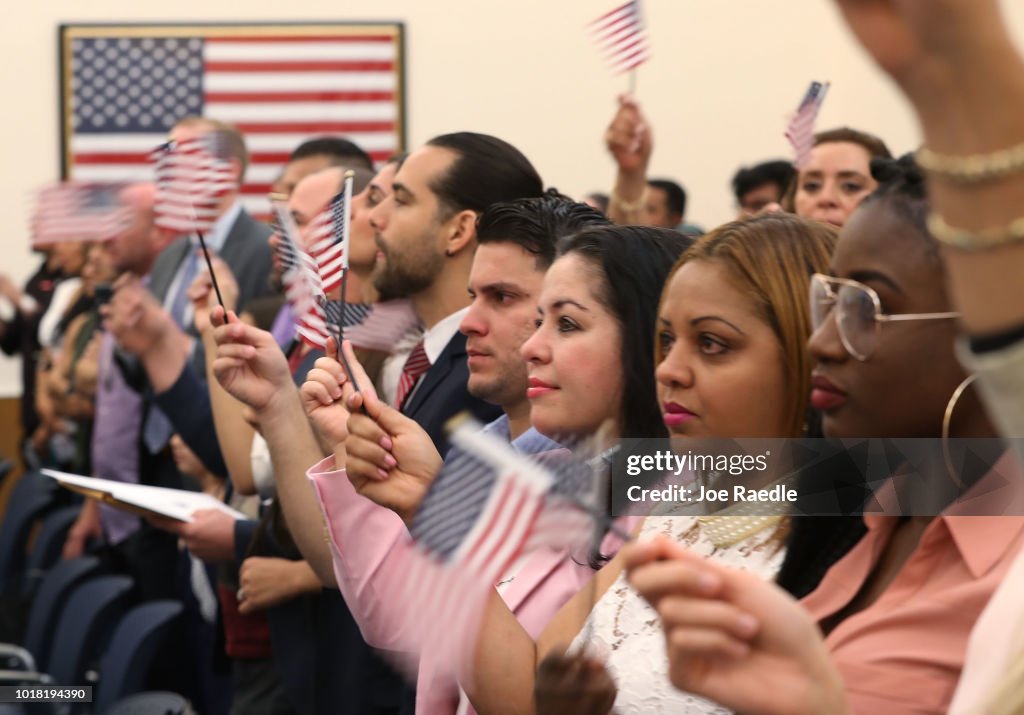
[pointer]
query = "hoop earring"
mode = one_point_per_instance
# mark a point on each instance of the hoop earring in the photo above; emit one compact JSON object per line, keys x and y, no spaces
{"x":947,"y":419}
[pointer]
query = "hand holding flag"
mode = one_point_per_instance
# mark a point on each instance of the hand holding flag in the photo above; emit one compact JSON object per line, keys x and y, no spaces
{"x":391,"y":460}
{"x":628,"y":137}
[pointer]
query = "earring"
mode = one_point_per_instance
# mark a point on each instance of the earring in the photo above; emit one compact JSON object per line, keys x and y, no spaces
{"x":947,"y":420}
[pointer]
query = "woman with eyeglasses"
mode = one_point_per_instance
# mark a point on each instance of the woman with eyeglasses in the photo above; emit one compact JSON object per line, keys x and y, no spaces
{"x":897,"y":608}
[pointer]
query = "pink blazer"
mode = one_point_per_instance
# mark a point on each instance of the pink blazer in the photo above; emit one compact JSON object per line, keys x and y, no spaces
{"x":366,"y":541}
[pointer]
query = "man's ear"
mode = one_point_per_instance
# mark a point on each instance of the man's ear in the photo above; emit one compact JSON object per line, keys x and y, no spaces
{"x":462,"y":232}
{"x":236,"y":170}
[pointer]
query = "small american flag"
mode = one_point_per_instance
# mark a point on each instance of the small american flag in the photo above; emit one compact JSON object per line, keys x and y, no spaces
{"x":302,"y":287}
{"x":327,"y":240}
{"x":622,"y":38}
{"x":489,"y":506}
{"x":373,"y":327}
{"x":191,"y":180}
{"x":128,"y":85}
{"x":800,"y":130}
{"x":78,"y":212}
{"x":380,"y":326}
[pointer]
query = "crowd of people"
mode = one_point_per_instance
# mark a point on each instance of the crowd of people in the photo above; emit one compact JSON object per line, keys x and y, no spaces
{"x":858,"y":295}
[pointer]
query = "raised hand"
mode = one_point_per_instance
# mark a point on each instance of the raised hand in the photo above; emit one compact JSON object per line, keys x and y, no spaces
{"x":249,"y":363}
{"x":390,"y":459}
{"x":733,"y":637}
{"x":628,"y":137}
{"x":134,"y":317}
{"x":914,"y":39}
{"x":322,"y":399}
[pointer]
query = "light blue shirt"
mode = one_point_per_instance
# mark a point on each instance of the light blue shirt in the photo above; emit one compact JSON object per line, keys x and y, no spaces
{"x":529,"y":442}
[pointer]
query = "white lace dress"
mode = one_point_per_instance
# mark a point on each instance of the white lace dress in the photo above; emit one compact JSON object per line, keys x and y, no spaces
{"x":625,"y":632}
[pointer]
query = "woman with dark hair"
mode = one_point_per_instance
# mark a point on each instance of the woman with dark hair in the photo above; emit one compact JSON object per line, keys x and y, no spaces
{"x":596,"y":327}
{"x":837,"y":177}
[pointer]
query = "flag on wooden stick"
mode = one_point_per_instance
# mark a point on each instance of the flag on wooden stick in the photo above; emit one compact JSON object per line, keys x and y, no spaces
{"x":622,"y":38}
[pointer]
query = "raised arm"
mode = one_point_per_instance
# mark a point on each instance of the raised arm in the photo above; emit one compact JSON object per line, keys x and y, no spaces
{"x":252,"y":368}
{"x":234,"y":433}
{"x":628,"y":140}
{"x":956,"y":63}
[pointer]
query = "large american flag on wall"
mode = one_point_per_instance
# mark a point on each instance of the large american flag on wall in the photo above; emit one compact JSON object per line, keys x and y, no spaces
{"x":125,"y":86}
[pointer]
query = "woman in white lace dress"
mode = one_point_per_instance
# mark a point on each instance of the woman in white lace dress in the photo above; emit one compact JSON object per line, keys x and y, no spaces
{"x":732,"y":330}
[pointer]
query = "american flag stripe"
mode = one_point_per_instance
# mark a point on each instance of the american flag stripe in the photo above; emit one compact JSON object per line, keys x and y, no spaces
{"x":78,"y":212}
{"x":444,"y":587}
{"x":301,"y":280}
{"x":800,"y":129}
{"x":327,"y":237}
{"x":622,"y":37}
{"x":191,"y":181}
{"x":384,"y":325}
{"x":278,"y":89}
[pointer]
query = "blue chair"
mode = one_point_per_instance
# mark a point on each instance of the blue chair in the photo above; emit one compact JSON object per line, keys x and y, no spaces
{"x":31,"y":497}
{"x":6,"y":467}
{"x":154,"y":703}
{"x":49,"y":602}
{"x":84,"y":627}
{"x":82,"y":633}
{"x":129,"y":657}
{"x":48,"y":545}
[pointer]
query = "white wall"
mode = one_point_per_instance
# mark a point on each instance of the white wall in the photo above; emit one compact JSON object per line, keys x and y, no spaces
{"x":724,"y":75}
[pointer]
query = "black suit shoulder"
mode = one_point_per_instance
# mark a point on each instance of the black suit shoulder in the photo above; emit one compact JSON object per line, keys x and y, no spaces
{"x":444,"y":394}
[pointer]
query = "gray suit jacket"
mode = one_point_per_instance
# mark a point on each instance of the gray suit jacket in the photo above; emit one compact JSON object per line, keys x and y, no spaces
{"x":245,"y":250}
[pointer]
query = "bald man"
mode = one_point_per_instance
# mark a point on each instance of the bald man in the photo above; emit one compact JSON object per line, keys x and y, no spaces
{"x":118,"y":420}
{"x":136,"y":247}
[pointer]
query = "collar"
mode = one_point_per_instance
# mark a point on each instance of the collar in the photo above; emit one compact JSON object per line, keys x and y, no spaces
{"x":217,"y":236}
{"x":437,"y":338}
{"x":984,"y":523}
{"x":529,"y":442}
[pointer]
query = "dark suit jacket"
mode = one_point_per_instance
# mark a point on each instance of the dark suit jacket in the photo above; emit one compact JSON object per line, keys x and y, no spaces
{"x":248,"y":255}
{"x":443,"y":394}
{"x":245,"y":250}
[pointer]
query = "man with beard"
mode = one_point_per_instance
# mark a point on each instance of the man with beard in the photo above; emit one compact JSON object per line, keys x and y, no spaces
{"x":426,"y":234}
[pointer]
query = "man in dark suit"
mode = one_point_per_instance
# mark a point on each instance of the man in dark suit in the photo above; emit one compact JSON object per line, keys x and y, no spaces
{"x":240,"y":241}
{"x":426,"y":234}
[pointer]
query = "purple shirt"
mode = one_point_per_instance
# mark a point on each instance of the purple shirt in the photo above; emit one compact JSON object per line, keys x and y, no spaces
{"x":115,"y":438}
{"x":283,"y":328}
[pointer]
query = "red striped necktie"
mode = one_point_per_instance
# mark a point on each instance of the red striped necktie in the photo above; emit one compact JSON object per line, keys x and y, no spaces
{"x":415,"y":366}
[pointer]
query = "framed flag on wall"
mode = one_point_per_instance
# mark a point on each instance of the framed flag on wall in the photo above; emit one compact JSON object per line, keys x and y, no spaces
{"x":122,"y":87}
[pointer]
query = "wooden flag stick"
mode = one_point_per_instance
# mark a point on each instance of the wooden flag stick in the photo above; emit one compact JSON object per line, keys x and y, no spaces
{"x":213,"y":276}
{"x":344,"y":239}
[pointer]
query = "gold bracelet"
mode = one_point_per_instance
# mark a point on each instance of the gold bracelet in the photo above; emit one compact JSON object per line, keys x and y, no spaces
{"x":973,"y":168}
{"x":980,"y":240}
{"x":628,"y":206}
